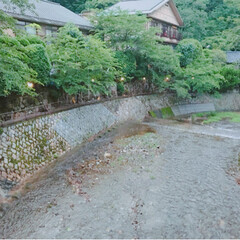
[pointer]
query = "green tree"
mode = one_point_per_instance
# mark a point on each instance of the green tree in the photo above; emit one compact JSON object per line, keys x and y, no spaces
{"x":82,"y":63}
{"x":201,"y":76}
{"x":137,"y":47}
{"x":76,"y":6}
{"x":39,"y":62}
{"x":194,"y":15}
{"x":22,"y":4}
{"x":15,"y":72}
{"x":232,"y":78}
{"x":207,"y":20}
{"x":190,"y":49}
{"x":202,"y":73}
{"x":213,"y":4}
{"x":99,"y":4}
{"x":6,"y":20}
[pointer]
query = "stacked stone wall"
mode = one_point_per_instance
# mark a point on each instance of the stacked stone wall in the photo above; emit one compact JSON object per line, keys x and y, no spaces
{"x":27,"y":146}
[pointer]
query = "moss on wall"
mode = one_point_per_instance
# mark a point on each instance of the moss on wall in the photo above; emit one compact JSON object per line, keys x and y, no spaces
{"x":152,"y":114}
{"x":167,"y":112}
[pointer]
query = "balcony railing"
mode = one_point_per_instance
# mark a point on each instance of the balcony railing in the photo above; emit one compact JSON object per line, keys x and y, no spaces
{"x":171,"y":34}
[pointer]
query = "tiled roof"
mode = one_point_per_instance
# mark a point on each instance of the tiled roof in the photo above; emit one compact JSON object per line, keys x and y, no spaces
{"x":47,"y":12}
{"x":233,"y":56}
{"x":144,"y":6}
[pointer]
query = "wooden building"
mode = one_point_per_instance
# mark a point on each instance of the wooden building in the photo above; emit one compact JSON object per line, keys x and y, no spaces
{"x":163,"y":14}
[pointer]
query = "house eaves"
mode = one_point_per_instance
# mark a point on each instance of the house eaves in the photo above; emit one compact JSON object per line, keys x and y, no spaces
{"x":46,"y":12}
{"x":145,"y":7}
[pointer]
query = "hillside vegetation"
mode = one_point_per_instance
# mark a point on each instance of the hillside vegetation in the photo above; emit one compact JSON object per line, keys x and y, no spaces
{"x":122,"y":50}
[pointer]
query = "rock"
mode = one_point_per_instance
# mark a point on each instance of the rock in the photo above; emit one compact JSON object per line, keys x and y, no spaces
{"x":10,"y":165}
{"x":3,"y":208}
{"x":238,"y":180}
{"x":107,"y":155}
{"x":2,"y":194}
{"x":4,"y":175}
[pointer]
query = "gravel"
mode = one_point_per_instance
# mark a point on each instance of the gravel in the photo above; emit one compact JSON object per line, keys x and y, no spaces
{"x":174,"y":181}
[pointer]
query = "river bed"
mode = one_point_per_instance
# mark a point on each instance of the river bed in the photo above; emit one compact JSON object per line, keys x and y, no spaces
{"x":157,"y":179}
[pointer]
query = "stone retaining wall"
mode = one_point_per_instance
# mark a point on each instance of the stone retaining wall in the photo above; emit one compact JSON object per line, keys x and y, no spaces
{"x":25,"y":147}
{"x":225,"y":102}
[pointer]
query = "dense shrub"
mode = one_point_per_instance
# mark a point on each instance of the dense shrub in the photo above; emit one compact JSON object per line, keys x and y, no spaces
{"x":120,"y":88}
{"x":23,"y":59}
{"x":82,"y":63}
{"x":163,"y":65}
{"x":127,"y":63}
{"x":6,"y":22}
{"x":200,"y":76}
{"x":26,"y":40}
{"x":138,"y":49}
{"x":39,"y":61}
{"x":190,"y":49}
{"x":218,"y":57}
{"x":232,"y":78}
{"x":14,"y":69}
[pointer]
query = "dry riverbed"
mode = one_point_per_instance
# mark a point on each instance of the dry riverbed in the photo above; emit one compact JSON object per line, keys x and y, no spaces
{"x":158,"y":179}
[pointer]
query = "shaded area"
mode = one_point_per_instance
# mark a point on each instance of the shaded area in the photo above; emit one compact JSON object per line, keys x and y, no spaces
{"x":160,"y":179}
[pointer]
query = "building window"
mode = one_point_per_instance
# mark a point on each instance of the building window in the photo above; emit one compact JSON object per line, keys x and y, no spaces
{"x":31,"y":30}
{"x":48,"y":32}
{"x":20,"y":25}
{"x":51,"y":31}
{"x":165,"y":30}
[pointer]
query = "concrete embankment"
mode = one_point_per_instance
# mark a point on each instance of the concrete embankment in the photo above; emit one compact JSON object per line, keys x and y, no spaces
{"x":27,"y":146}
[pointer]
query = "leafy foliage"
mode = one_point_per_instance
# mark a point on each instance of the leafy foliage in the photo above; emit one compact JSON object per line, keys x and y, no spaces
{"x":123,"y":31}
{"x":195,"y":18}
{"x":138,"y":49}
{"x":190,"y":49}
{"x":232,"y":78}
{"x":81,"y":63}
{"x":218,"y":57}
{"x":74,"y":5}
{"x":122,"y":47}
{"x":14,"y":69}
{"x":201,"y":74}
{"x":38,"y":58}
{"x":21,"y":4}
{"x":99,"y":4}
{"x":127,"y":62}
{"x":6,"y":22}
{"x":39,"y":61}
{"x":120,"y":88}
{"x":215,"y":22}
{"x":80,"y":5}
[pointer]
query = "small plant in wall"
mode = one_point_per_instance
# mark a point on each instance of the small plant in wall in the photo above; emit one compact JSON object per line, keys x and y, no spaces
{"x":1,"y":131}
